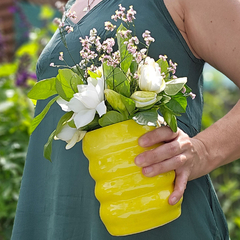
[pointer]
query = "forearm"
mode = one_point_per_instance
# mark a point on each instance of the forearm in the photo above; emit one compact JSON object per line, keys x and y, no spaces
{"x":221,"y":141}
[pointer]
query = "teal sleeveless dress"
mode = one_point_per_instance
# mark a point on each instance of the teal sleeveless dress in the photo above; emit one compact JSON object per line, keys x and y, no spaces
{"x":57,"y":200}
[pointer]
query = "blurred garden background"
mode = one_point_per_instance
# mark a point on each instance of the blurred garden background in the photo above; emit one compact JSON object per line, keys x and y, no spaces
{"x":22,"y":38}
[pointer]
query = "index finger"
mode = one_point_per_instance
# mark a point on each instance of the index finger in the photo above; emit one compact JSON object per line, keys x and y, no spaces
{"x":162,"y":134}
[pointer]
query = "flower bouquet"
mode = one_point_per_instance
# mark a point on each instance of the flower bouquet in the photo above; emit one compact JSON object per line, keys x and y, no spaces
{"x":116,"y":96}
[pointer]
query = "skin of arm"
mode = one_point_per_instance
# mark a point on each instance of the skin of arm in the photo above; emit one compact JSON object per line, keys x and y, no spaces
{"x":212,"y":30}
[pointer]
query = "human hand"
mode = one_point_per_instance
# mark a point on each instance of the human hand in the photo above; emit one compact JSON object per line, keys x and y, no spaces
{"x":181,"y":153}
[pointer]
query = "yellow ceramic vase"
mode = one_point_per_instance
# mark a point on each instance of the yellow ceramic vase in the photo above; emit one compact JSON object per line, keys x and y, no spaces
{"x":129,"y":201}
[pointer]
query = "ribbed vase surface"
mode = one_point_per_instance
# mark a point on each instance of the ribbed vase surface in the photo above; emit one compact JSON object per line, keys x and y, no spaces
{"x":129,"y":201}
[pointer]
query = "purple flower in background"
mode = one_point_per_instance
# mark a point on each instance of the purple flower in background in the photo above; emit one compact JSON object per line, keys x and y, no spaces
{"x":23,"y":76}
{"x":23,"y":73}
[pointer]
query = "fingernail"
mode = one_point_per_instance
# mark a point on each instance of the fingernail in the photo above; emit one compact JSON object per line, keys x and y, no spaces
{"x":174,"y":200}
{"x":142,"y":141}
{"x":139,"y":160}
{"x":147,"y":170}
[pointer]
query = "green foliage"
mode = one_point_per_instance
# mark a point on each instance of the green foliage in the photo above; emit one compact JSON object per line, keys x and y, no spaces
{"x":219,"y":99}
{"x":15,"y":118}
{"x":16,"y":113}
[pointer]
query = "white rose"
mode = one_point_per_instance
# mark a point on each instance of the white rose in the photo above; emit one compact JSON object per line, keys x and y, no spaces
{"x":150,"y":78}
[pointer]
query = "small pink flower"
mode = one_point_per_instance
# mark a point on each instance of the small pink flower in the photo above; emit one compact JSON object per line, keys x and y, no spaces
{"x":134,"y":40}
{"x":125,"y":33}
{"x":192,"y":95}
{"x":61,"y":56}
{"x":108,"y":44}
{"x":147,"y":37}
{"x":61,"y":25}
{"x":57,"y":21}
{"x":184,"y":90}
{"x":164,"y":58}
{"x":109,"y":26}
{"x":71,"y":15}
{"x":93,"y":32}
{"x":121,"y":8}
{"x":114,"y":17}
{"x":69,"y":29}
{"x":130,"y":14}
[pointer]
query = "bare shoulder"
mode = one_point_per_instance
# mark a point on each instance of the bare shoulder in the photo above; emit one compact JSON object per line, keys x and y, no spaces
{"x":177,"y":12}
{"x":213,"y":30}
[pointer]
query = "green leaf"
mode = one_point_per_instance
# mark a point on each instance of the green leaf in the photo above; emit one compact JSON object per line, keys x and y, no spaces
{"x":169,"y":117}
{"x":80,"y":72}
{"x":125,"y":57}
{"x":163,"y":65}
{"x":36,"y":121}
{"x":66,"y":83}
{"x":174,"y":86}
{"x":93,"y":75}
{"x":111,"y":117}
{"x":178,"y":103}
{"x":148,"y":117}
{"x":115,"y":100}
{"x":129,"y":104}
{"x":47,"y":151}
{"x":117,"y":80}
{"x":43,"y":89}
{"x":133,"y":67}
{"x":165,"y":99}
{"x":62,"y":121}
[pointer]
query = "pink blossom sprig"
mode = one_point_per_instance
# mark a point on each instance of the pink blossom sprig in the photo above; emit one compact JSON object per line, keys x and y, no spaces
{"x":131,"y":14}
{"x":72,"y":15}
{"x":173,"y":66}
{"x":109,"y":26}
{"x":147,"y":37}
{"x":125,"y":17}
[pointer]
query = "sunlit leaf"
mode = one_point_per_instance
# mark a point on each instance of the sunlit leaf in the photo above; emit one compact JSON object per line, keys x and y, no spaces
{"x":175,"y":85}
{"x":37,"y":120}
{"x":111,"y":117}
{"x":66,"y":83}
{"x":43,"y":89}
{"x":148,"y":117}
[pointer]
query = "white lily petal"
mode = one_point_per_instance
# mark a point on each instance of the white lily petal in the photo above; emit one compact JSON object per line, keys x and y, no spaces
{"x":101,"y":108}
{"x":81,"y":88}
{"x":163,"y":85}
{"x":100,"y":88}
{"x":90,"y":99}
{"x":63,"y":104}
{"x":66,"y":133}
{"x":76,"y":105}
{"x":77,"y":137}
{"x":84,"y":117}
{"x":93,"y":81}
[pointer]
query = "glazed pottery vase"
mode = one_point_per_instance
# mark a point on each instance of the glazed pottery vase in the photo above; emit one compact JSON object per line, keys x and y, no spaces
{"x":129,"y":201}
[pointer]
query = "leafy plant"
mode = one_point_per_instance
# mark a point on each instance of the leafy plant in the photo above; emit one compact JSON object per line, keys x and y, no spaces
{"x":16,"y":113}
{"x":219,"y":99}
